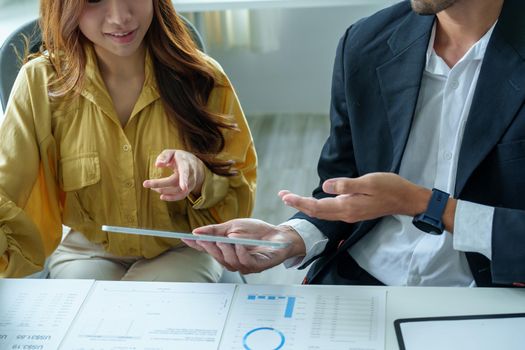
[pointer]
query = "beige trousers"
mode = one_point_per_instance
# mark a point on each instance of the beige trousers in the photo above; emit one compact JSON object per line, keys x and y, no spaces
{"x":76,"y":257}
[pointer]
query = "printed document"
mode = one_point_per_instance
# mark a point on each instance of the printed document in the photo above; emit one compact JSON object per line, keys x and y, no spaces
{"x":87,"y":314}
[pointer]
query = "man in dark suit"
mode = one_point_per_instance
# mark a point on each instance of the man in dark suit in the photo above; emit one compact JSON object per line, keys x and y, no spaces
{"x":423,"y":174}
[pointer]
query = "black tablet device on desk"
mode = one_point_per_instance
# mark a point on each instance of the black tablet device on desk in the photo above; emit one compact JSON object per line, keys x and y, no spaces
{"x":479,"y":332}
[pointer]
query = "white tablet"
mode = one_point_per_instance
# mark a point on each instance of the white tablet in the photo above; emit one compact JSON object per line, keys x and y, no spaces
{"x":480,"y":332}
{"x":190,"y":236}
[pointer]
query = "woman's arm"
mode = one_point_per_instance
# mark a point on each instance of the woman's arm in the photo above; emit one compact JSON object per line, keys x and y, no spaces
{"x":30,"y":223}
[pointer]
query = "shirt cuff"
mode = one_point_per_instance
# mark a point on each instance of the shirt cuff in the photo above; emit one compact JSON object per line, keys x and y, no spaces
{"x":314,"y":241}
{"x":214,"y":189}
{"x":473,"y":228}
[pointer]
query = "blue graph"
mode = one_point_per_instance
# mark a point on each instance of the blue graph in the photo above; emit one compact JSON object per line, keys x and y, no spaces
{"x":290,"y":302}
{"x":256,"y":331}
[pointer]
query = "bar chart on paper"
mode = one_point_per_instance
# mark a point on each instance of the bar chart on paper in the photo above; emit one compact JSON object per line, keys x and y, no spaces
{"x":282,"y":310}
{"x":317,"y":318}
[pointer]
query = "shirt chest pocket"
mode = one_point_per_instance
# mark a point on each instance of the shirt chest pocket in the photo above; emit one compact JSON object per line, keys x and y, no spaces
{"x":79,"y":171}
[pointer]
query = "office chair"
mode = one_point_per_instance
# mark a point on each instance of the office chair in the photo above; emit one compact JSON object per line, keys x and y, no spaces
{"x":14,"y":46}
{"x":10,"y":64}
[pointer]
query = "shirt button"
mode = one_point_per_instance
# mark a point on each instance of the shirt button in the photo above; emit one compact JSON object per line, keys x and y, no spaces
{"x":454,"y":84}
{"x":129,"y":218}
{"x":447,"y":155}
{"x":126,"y":148}
{"x":414,"y":280}
{"x":130,"y":184}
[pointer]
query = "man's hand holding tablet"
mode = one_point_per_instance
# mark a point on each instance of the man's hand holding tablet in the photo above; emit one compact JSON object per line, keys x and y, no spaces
{"x":249,"y":258}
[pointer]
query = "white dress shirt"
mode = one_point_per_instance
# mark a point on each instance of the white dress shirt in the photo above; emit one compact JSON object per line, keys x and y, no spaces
{"x":395,"y":251}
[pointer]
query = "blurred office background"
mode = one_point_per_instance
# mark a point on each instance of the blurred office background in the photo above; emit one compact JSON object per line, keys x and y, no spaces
{"x":279,"y":57}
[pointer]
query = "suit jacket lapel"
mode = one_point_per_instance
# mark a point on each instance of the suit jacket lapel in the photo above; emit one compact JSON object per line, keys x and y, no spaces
{"x":499,"y":93}
{"x":399,"y":81}
{"x":400,"y":78}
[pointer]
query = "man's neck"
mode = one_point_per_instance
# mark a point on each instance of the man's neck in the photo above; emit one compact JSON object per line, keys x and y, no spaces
{"x":460,"y":26}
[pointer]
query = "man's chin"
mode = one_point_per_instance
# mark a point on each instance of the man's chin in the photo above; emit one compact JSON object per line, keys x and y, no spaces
{"x":430,"y":7}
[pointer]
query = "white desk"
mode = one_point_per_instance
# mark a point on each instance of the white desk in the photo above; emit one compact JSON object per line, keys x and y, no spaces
{"x":401,"y":302}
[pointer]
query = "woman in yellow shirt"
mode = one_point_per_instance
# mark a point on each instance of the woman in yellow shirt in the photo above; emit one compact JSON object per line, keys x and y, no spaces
{"x":119,"y":120}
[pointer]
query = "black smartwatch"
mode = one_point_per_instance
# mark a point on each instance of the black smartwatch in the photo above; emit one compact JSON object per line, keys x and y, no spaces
{"x":430,"y":221}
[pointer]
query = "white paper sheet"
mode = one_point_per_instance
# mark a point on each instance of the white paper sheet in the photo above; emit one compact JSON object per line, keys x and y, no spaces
{"x":109,"y":315}
{"x":298,"y":317}
{"x":160,"y":316}
{"x":35,"y":314}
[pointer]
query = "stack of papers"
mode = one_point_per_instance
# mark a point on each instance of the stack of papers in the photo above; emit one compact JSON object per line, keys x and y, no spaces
{"x":86,"y":314}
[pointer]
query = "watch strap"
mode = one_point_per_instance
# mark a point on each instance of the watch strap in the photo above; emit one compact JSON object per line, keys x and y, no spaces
{"x":436,"y":205}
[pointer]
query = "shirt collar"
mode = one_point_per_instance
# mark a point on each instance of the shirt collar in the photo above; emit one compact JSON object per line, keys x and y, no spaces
{"x":476,"y":52}
{"x":95,"y":89}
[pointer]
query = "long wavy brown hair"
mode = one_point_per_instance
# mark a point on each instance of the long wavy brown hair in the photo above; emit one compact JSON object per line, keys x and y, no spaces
{"x":184,"y":77}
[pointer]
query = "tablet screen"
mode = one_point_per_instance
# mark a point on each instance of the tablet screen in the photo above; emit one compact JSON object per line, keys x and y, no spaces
{"x":480,"y":332}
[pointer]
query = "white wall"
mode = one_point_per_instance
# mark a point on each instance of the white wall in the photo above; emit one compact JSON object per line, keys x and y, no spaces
{"x":296,"y":77}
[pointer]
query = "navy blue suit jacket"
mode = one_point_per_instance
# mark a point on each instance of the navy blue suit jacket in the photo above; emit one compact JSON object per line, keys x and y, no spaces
{"x":377,"y":74}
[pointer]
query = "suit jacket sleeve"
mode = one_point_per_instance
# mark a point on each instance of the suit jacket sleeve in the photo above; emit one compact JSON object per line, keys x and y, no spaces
{"x":508,"y":246}
{"x":337,"y":157}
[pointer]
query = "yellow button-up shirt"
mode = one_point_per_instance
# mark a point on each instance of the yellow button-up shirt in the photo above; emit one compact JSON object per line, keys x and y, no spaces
{"x":69,"y":161}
